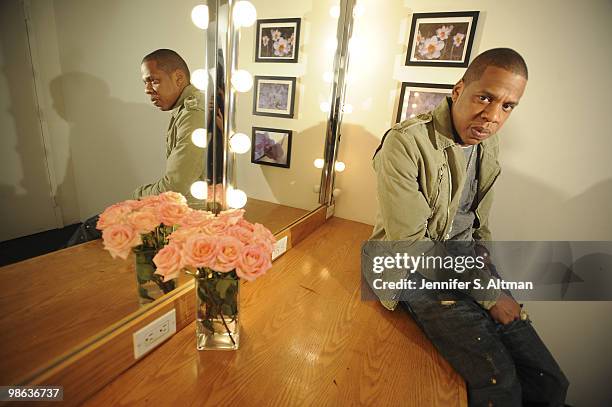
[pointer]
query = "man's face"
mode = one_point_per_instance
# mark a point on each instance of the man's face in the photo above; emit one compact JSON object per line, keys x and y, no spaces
{"x":480,"y":109}
{"x":164,"y":89}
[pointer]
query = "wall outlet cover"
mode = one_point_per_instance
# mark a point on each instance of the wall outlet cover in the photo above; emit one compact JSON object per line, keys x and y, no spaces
{"x":152,"y":335}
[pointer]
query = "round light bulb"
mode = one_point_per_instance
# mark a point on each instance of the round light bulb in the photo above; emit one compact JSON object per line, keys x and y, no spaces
{"x":334,"y":11}
{"x":236,"y":198}
{"x":242,"y":80}
{"x":240,"y":143}
{"x":199,"y":16}
{"x":319,"y":163}
{"x":328,"y":77}
{"x":198,"y":137}
{"x":348,"y":108}
{"x":244,"y":14}
{"x":340,"y":166}
{"x":359,"y":10}
{"x":336,"y":192}
{"x":199,"y":190}
{"x":316,"y":188}
{"x":331,"y":44}
{"x":325,"y":107}
{"x":199,"y":79}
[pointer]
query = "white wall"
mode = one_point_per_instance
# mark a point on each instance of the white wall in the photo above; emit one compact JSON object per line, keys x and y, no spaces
{"x":107,"y":139}
{"x":556,"y":182}
{"x":292,"y":186}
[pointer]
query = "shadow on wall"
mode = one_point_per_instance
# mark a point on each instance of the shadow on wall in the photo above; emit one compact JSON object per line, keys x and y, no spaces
{"x":526,"y":209}
{"x":105,"y":135}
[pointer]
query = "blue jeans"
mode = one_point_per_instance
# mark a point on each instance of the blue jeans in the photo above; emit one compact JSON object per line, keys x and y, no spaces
{"x":502,"y":365}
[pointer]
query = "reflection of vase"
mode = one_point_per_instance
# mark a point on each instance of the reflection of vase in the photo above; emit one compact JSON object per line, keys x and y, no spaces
{"x":150,"y":286}
{"x":217,"y":302}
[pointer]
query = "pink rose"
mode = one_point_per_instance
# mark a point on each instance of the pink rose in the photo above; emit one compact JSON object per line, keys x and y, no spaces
{"x":200,"y":251}
{"x":170,"y":213}
{"x":181,"y":235}
{"x":246,"y":224}
{"x":143,"y":221}
{"x":195,"y":218}
{"x":113,"y":215}
{"x":231,"y":216}
{"x":134,"y":204}
{"x":262,"y":235}
{"x":119,"y":240}
{"x":173,"y":197}
{"x":230,"y":249}
{"x":215,"y":227}
{"x":168,"y":261}
{"x":254,"y":261}
{"x":241,"y":233}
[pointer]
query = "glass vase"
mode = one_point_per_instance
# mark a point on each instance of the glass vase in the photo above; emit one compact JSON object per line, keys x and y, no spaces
{"x":217,"y":310}
{"x":150,"y":286}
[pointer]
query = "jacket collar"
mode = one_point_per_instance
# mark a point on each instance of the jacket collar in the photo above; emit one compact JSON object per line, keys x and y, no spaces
{"x":443,"y":125}
{"x":189,"y":89}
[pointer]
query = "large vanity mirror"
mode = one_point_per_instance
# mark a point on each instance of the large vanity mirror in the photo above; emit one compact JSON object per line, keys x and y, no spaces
{"x":79,"y":134}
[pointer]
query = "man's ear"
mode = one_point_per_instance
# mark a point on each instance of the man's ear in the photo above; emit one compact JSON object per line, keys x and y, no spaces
{"x":179,"y":78}
{"x":457,"y":89}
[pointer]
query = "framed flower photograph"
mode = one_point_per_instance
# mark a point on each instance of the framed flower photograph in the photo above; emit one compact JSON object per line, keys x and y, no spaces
{"x":274,"y":96}
{"x":278,"y":40}
{"x":417,"y":98}
{"x":442,"y":39}
{"x":271,"y":147}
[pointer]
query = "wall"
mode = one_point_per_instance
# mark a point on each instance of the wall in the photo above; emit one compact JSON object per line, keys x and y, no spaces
{"x":292,"y":186}
{"x":557,"y":177}
{"x":107,"y":138}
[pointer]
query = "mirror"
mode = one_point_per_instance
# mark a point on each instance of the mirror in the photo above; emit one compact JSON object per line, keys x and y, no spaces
{"x":79,"y":134}
{"x":289,"y":51}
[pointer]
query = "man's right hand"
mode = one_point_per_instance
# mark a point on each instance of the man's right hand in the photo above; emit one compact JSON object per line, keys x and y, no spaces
{"x":505,"y":310}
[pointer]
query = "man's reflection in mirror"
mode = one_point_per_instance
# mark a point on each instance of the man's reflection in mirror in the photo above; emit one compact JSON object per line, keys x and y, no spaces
{"x":166,"y":82}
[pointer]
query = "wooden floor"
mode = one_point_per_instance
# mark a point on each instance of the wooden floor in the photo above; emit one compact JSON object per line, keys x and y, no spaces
{"x":273,"y":216}
{"x":52,"y":303}
{"x":307,"y":339}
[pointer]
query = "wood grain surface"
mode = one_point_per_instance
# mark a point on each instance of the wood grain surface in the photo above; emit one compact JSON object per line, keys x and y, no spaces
{"x":307,"y":338}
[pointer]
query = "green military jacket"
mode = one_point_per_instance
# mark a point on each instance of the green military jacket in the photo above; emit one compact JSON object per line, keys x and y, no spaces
{"x":184,"y":160}
{"x":420,"y":172}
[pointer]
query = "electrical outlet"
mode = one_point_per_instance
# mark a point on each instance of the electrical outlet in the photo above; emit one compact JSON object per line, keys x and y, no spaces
{"x":279,"y":248}
{"x":154,"y":334}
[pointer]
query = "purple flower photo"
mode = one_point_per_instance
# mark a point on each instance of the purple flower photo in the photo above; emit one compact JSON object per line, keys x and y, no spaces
{"x":274,"y":96}
{"x":271,"y":147}
{"x":278,"y":40}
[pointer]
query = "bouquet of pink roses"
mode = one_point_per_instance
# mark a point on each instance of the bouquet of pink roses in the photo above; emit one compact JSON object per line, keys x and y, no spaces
{"x":143,"y":227}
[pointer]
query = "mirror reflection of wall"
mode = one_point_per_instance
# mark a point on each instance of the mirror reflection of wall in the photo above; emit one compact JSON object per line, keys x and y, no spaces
{"x":290,"y":52}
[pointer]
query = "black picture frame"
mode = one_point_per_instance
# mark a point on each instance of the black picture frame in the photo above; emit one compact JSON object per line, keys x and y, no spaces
{"x":260,"y":157}
{"x":263,"y":82}
{"x":405,"y":110}
{"x":430,"y":44}
{"x":283,"y":26}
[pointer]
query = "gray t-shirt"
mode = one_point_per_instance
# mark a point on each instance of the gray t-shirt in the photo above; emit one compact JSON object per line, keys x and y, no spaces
{"x":464,"y":219}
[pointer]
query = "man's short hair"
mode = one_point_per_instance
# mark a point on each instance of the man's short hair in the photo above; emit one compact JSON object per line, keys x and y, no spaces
{"x":168,"y":61}
{"x":504,"y":58}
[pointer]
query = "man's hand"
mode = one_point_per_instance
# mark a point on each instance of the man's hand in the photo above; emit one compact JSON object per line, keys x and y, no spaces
{"x":505,"y":310}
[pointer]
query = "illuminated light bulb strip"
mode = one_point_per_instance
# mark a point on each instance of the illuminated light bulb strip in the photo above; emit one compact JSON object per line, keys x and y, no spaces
{"x":199,"y":190}
{"x":236,"y":198}
{"x":199,"y":16}
{"x":244,"y":14}
{"x":240,"y":143}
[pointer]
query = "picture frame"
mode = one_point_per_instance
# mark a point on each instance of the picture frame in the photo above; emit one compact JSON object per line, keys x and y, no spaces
{"x":271,"y":147}
{"x":442,"y":39}
{"x":274,"y":96}
{"x":417,"y":98}
{"x":278,"y":40}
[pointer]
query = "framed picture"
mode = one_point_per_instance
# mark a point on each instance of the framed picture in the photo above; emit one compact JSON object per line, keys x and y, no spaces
{"x":278,"y":40}
{"x":417,"y":98}
{"x":441,"y":39}
{"x":274,"y":96}
{"x":271,"y":147}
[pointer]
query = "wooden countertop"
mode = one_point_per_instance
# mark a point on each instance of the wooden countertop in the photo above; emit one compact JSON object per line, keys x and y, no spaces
{"x":307,"y":338}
